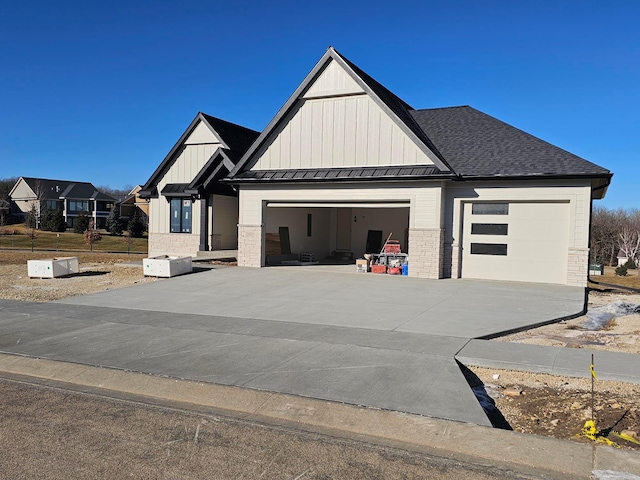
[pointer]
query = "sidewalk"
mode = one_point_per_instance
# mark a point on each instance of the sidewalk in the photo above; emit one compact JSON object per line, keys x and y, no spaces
{"x":570,"y":362}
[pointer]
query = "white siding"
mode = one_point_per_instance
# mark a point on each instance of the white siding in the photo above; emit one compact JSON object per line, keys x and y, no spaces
{"x":350,"y":131}
{"x":201,"y":134}
{"x":333,"y":81}
{"x":225,"y":220}
{"x":23,"y":196}
{"x":183,"y":170}
{"x":22,"y":191}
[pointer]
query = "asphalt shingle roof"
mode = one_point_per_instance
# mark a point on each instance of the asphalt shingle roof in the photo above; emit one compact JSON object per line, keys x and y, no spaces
{"x":54,"y":189}
{"x":478,"y":145}
{"x":237,"y":138}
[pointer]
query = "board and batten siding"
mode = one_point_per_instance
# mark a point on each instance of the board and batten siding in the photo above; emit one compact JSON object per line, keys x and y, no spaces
{"x":332,"y":81}
{"x":342,"y":132}
{"x":183,"y":170}
{"x":336,"y":124}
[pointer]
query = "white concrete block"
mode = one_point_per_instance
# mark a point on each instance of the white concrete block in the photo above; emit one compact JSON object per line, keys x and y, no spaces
{"x":166,"y":266}
{"x":52,"y":267}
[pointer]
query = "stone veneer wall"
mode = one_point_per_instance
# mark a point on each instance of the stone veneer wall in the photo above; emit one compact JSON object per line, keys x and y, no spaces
{"x":578,"y":267}
{"x":180,"y":244}
{"x":426,"y":252}
{"x":250,"y":245}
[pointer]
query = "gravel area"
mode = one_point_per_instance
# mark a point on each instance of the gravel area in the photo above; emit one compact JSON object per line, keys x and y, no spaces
{"x":620,"y":334}
{"x":98,"y":272}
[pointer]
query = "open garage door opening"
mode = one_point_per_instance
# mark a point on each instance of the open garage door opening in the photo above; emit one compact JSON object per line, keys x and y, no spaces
{"x":314,"y":233}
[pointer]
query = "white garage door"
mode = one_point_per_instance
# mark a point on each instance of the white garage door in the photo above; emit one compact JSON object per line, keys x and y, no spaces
{"x":526,"y":242}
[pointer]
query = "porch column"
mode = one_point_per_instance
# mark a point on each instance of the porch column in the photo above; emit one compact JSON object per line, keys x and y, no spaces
{"x":204,"y":224}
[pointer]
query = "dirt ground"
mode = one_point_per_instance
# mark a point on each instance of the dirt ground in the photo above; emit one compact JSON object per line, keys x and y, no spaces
{"x":98,"y":272}
{"x":531,"y":403}
{"x":47,"y":433}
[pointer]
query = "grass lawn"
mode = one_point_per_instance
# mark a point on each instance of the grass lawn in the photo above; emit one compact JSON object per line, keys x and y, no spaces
{"x":631,"y":280}
{"x":14,"y":237}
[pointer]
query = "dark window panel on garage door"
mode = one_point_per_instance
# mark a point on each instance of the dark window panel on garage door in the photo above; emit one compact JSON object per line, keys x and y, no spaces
{"x":490,"y":209}
{"x":489,"y":249}
{"x":489,"y":228}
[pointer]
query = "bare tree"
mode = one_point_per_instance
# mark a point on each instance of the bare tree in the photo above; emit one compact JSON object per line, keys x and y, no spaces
{"x":605,"y":226}
{"x":629,"y":235}
{"x":91,"y":235}
{"x":115,"y":192}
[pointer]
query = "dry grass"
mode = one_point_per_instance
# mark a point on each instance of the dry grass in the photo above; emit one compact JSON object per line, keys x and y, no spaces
{"x":632,"y":280}
{"x":18,"y":257}
{"x":14,"y":237}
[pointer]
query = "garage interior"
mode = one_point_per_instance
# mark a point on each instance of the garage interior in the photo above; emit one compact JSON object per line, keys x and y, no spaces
{"x":332,"y":233}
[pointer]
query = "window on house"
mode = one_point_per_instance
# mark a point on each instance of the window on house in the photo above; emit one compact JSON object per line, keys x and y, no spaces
{"x":52,"y":204}
{"x":490,"y":209}
{"x":180,"y":215}
{"x":309,"y":224}
{"x":489,"y":228}
{"x":79,"y":205}
{"x":489,"y":249}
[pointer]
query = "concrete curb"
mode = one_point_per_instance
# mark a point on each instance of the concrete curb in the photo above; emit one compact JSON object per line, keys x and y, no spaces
{"x":434,"y":436}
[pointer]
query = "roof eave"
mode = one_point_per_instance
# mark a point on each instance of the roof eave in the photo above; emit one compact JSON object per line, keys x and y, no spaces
{"x":150,"y":193}
{"x":561,"y":176}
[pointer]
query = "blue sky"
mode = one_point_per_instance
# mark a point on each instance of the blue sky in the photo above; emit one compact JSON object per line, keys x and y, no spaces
{"x":100,"y":91}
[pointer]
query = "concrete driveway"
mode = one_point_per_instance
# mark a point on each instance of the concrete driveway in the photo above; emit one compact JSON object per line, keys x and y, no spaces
{"x":380,"y":341}
{"x":310,"y":295}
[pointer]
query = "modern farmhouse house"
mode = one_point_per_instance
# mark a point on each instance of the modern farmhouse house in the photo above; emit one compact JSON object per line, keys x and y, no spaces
{"x":465,"y":194}
{"x":190,"y":210}
{"x":469,"y":195}
{"x":72,"y":198}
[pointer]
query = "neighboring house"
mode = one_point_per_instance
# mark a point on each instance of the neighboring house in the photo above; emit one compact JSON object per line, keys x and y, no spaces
{"x":70,"y":197}
{"x":189,"y":209}
{"x":622,"y":258}
{"x":475,"y":197}
{"x":133,"y":202}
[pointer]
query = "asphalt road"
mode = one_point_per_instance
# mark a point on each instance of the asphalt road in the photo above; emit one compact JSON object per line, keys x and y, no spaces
{"x":51,"y":433}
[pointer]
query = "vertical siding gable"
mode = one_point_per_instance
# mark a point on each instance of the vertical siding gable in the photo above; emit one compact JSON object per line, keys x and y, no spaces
{"x":201,"y":134}
{"x":340,"y":132}
{"x":188,"y":164}
{"x":333,"y":81}
{"x":22,"y":190}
